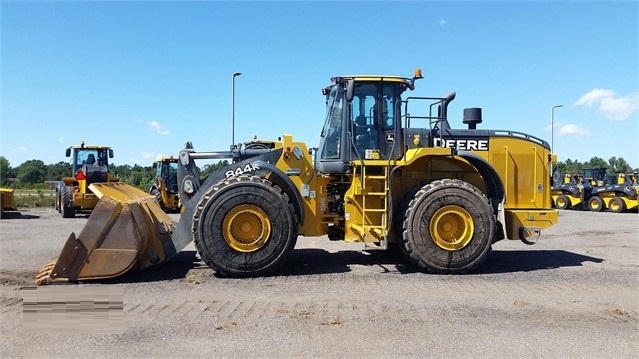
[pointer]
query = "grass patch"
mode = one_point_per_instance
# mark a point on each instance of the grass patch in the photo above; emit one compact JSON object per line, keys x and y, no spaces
{"x":33,"y":198}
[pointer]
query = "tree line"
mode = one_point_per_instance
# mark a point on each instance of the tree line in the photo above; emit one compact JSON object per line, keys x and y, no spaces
{"x":34,"y":173}
{"x":613,"y":165}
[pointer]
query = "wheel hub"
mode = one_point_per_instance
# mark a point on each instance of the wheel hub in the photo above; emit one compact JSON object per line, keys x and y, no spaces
{"x":614,"y":205}
{"x":246,"y":228}
{"x":452,"y":228}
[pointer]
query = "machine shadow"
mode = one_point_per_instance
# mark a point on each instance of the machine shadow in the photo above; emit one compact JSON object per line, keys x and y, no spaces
{"x":530,"y":260}
{"x":175,"y":269}
{"x":318,"y":261}
{"x":18,"y":215}
{"x":314,"y":261}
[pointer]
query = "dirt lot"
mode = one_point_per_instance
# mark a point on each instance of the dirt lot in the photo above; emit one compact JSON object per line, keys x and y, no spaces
{"x":572,"y":295}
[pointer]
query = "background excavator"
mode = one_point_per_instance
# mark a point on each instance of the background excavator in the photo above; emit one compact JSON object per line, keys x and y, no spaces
{"x":389,"y":170}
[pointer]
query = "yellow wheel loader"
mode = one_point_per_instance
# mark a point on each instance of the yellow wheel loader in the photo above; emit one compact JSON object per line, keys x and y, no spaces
{"x":165,"y":185}
{"x":389,"y":170}
{"x":618,"y":193}
{"x":89,"y":164}
{"x":7,"y":201}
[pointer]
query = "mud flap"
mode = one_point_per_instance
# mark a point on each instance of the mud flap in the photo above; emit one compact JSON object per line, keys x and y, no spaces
{"x":127,"y":230}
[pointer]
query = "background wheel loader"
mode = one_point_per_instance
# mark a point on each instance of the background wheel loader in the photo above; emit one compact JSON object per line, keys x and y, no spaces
{"x":618,"y":193}
{"x":7,"y":201}
{"x":389,"y":170}
{"x":165,"y":185}
{"x":89,"y":164}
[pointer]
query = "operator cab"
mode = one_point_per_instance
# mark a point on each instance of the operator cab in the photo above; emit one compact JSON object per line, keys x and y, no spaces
{"x":363,"y":121}
{"x":89,"y":155}
{"x":167,"y":170}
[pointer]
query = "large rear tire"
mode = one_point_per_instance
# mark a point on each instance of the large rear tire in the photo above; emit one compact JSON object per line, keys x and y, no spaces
{"x":245,"y":227}
{"x":68,"y":209}
{"x":449,"y":227}
{"x":617,"y":205}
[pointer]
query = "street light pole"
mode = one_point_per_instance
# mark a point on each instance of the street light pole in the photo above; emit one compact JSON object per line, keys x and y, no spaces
{"x":235,"y":74}
{"x":552,"y":132}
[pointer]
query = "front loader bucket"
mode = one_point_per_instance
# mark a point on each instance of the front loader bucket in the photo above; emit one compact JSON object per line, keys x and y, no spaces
{"x":127,"y":230}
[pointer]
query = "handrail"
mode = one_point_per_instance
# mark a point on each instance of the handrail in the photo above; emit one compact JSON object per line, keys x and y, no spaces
{"x":506,"y":170}
{"x":534,"y":200}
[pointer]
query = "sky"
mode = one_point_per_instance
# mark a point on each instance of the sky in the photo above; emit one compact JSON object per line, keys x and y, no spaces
{"x":146,"y":77}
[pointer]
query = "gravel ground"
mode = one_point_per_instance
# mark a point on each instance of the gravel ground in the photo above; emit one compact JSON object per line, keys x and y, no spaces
{"x":572,"y":295}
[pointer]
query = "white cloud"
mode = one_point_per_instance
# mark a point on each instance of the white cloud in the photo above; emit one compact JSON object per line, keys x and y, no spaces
{"x":443,"y":22}
{"x":568,"y":129}
{"x":613,"y":108}
{"x":61,"y":139}
{"x":147,"y":155}
{"x":572,"y":130}
{"x":158,"y":128}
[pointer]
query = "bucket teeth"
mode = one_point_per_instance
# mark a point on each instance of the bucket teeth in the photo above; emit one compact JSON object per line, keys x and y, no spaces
{"x":44,"y":275}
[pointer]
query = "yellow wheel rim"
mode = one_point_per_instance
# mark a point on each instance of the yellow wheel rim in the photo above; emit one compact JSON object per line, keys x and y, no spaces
{"x":451,"y":228}
{"x":246,"y":228}
{"x":561,"y":202}
{"x":614,"y":205}
{"x":594,"y":204}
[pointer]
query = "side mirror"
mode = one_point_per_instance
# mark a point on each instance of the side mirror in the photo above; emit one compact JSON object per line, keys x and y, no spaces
{"x":110,"y":153}
{"x":68,"y":153}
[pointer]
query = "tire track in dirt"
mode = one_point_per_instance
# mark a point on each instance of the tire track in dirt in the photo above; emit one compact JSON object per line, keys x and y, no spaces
{"x":9,"y":277}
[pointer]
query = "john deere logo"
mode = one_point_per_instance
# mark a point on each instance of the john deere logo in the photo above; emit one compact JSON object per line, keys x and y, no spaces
{"x":469,"y":144}
{"x":390,"y":137}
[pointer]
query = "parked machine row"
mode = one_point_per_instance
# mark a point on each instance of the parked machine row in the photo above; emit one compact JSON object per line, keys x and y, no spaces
{"x":595,"y":190}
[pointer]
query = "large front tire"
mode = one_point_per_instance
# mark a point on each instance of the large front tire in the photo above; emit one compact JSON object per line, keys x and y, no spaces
{"x":563,"y":202}
{"x":448,"y":227}
{"x":155,"y":192}
{"x":596,"y":204}
{"x":58,"y":200}
{"x":245,"y":227}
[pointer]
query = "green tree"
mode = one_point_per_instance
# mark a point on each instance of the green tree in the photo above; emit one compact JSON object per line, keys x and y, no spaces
{"x":570,"y":166}
{"x":32,"y":172}
{"x":210,"y":168}
{"x":120,"y":172}
{"x":141,"y":177}
{"x":6,"y":171}
{"x":596,"y":162}
{"x":55,"y":172}
{"x":618,"y":164}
